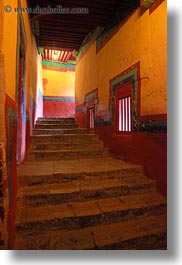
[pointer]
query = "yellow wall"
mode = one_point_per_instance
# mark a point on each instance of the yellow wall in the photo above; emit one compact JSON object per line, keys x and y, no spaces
{"x":2,"y":23}
{"x":141,"y":38}
{"x":9,"y":48}
{"x":57,"y":83}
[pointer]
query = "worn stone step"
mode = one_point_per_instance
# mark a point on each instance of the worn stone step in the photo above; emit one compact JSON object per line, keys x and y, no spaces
{"x":56,"y":126}
{"x":58,"y":131}
{"x":67,"y":154}
{"x":56,"y":119}
{"x":59,"y":121}
{"x":65,"y":146}
{"x":30,"y":176}
{"x":65,"y":138}
{"x":144,"y":232}
{"x":77,"y":215}
{"x":82,"y":190}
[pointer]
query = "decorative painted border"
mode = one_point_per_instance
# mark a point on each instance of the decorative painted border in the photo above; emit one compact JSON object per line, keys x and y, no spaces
{"x":49,"y":65}
{"x":91,"y":98}
{"x":92,"y":95}
{"x":80,"y":108}
{"x":130,"y":75}
{"x":84,"y":49}
{"x":148,"y":123}
{"x":57,"y":98}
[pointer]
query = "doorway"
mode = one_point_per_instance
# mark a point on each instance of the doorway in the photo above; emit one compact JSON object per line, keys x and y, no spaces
{"x":91,"y":119}
{"x":21,"y":113}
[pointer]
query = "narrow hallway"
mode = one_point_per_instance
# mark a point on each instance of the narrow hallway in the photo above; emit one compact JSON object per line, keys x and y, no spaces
{"x":74,"y":195}
{"x":83,"y":124}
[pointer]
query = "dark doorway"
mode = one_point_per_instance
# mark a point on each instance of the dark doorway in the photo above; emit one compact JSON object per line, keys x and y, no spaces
{"x":21,"y":117}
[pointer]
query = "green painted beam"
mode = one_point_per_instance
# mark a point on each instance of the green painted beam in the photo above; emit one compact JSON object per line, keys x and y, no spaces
{"x":58,"y":65}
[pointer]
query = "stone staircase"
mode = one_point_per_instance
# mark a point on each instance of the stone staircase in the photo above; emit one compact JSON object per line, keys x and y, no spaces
{"x":74,"y":195}
{"x":69,"y":142}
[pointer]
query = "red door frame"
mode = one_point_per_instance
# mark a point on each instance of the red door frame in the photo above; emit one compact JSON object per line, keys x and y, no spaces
{"x":88,"y":118}
{"x":122,"y":92}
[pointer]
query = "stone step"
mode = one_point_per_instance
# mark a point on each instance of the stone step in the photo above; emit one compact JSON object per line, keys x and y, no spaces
{"x":65,"y":145}
{"x":56,"y":119}
{"x":74,"y":195}
{"x":58,"y":131}
{"x":35,"y":177}
{"x":61,"y":121}
{"x":66,"y":138}
{"x":144,"y":232}
{"x":67,"y":154}
{"x":56,"y":126}
{"x":77,"y":215}
{"x":53,"y":194}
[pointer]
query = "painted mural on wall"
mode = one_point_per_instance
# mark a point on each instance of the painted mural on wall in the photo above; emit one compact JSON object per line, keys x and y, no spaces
{"x":140,"y":124}
{"x":101,"y":66}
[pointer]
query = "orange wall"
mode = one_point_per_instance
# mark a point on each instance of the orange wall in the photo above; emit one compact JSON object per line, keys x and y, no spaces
{"x":8,"y":45}
{"x":18,"y":120}
{"x":56,"y":83}
{"x":2,"y":23}
{"x":142,"y":38}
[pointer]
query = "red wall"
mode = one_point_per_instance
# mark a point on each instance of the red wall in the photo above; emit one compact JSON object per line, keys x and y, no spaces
{"x":11,"y":135}
{"x":15,"y":147}
{"x":81,"y":118}
{"x":58,"y":107}
{"x":145,"y":148}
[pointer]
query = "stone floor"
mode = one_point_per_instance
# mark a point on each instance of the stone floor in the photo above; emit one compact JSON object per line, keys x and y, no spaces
{"x":74,"y":195}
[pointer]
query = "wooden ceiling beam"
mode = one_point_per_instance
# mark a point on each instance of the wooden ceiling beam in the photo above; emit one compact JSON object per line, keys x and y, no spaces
{"x":81,"y":3}
{"x":69,"y":30}
{"x":61,"y":33}
{"x":60,"y":44}
{"x":61,"y":55}
{"x":83,"y":19}
{"x":61,"y":49}
{"x":64,"y":56}
{"x":68,"y":56}
{"x":60,"y":39}
{"x":68,"y":27}
{"x":56,"y":46}
{"x":63,"y":22}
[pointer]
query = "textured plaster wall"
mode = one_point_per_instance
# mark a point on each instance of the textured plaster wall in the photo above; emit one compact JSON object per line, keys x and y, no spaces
{"x":141,"y":38}
{"x":59,"y":93}
{"x":8,"y":47}
{"x":86,"y":74}
{"x":56,"y":83}
{"x":9,"y":73}
{"x":2,"y":23}
{"x":139,"y":45}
